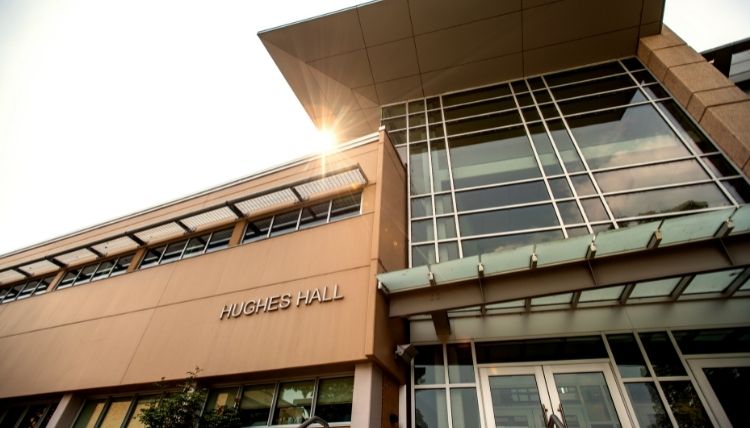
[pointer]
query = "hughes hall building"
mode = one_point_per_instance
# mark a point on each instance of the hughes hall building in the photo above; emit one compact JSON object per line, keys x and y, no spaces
{"x":536,"y":217}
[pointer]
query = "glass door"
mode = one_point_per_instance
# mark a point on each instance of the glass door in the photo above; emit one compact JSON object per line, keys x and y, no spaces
{"x":581,"y":395}
{"x":725,"y":383}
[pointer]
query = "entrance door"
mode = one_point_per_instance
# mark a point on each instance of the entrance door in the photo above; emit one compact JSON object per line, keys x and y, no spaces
{"x":725,"y":383}
{"x":581,"y":395}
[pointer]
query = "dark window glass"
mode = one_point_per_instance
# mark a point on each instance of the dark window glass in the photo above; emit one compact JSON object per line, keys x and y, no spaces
{"x":42,"y":287}
{"x":569,"y":212}
{"x":476,"y":94}
{"x":89,"y":414}
{"x":440,"y":176}
{"x":416,"y":106}
{"x":334,"y":400}
{"x":464,"y":407}
{"x":3,"y":292}
{"x":33,"y":416}
{"x":643,"y":77}
{"x":284,"y":223}
{"x":720,"y":166}
{"x":434,"y":117}
{"x":430,"y":408}
{"x":507,"y":220}
{"x":721,"y":340}
{"x":423,"y":254}
{"x":595,"y":210}
{"x":530,"y":114}
{"x":488,"y":245}
{"x":448,"y":251}
{"x":397,"y":137}
{"x":492,"y":157}
{"x":417,"y":120}
{"x":420,"y":207}
{"x":676,"y":199}
{"x":656,"y":91}
{"x":394,"y":110}
{"x":650,"y":175}
{"x":122,"y":265}
{"x":433,"y":103}
{"x":443,"y":204}
{"x":86,"y":273}
{"x":173,"y":251}
{"x":588,"y":88}
{"x":562,"y":348}
{"x":195,"y":246}
{"x":560,"y":188}
{"x":480,"y":123}
{"x":739,"y":189}
{"x":417,"y":134}
{"x":294,"y":403}
{"x":584,"y":73}
{"x":535,"y":83}
{"x":257,"y":229}
{"x":68,"y":279}
{"x":12,"y":416}
{"x":583,"y":185}
{"x":686,"y":406}
{"x":419,"y":169}
{"x":525,"y":100}
{"x":542,"y":96}
{"x":428,"y":365}
{"x":686,"y":127}
{"x":219,"y":240}
{"x":152,"y":256}
{"x":460,"y":364}
{"x":649,"y":410}
{"x":103,"y":271}
{"x":732,"y":387}
{"x":402,"y":154}
{"x":544,"y":150}
{"x":27,"y":290}
{"x":436,"y":131}
{"x":397,"y":123}
{"x":345,"y":206}
{"x":422,"y":230}
{"x":519,"y":86}
{"x":549,"y":111}
{"x":255,"y":405}
{"x":500,"y":196}
{"x":625,"y":136}
{"x":662,"y":355}
{"x":565,"y":147}
{"x":479,"y":108}
{"x":632,"y":64}
{"x":314,"y":215}
{"x":627,"y":355}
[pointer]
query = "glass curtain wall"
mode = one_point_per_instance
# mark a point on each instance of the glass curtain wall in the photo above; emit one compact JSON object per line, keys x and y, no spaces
{"x":551,"y":157}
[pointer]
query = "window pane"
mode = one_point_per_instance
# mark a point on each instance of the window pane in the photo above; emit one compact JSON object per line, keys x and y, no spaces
{"x":658,"y":288}
{"x":460,"y":364}
{"x":544,"y":149}
{"x":196,"y":246}
{"x":588,"y":88}
{"x":562,"y":348}
{"x":443,"y":204}
{"x":335,"y":399}
{"x":651,"y":175}
{"x":585,"y":399}
{"x":663,"y":357}
{"x":685,"y":404}
{"x":284,"y":223}
{"x":428,"y":365}
{"x":476,"y":94}
{"x":394,"y":110}
{"x":103,"y":270}
{"x":417,"y":134}
{"x":555,"y":299}
{"x":649,"y":410}
{"x":446,"y":227}
{"x":625,"y":136}
{"x":732,"y":387}
{"x":42,"y":287}
{"x":508,"y":220}
{"x":676,"y":199}
{"x":116,"y":413}
{"x":423,"y":254}
{"x":27,"y":290}
{"x":143,"y":403}
{"x":597,"y":102}
{"x":448,"y":251}
{"x":685,"y":127}
{"x":627,"y":355}
{"x":422,"y":230}
{"x":173,"y":252}
{"x":68,"y":279}
{"x":255,"y":406}
{"x":397,"y":123}
{"x":345,"y":206}
{"x":294,"y":403}
{"x":14,"y":292}
{"x":122,"y":265}
{"x":739,"y":189}
{"x":441,"y":179}
{"x":499,"y":196}
{"x":601,"y":294}
{"x":564,"y":143}
{"x":152,"y":256}
{"x":722,"y":340}
{"x":583,"y":73}
{"x":416,"y":119}
{"x":492,"y":157}
{"x":314,"y":215}
{"x":515,"y":401}
{"x":221,"y":398}
{"x":90,"y":413}
{"x":499,"y":243}
{"x":430,"y":409}
{"x":569,"y":212}
{"x":480,"y":108}
{"x":257,"y":229}
{"x":714,"y":282}
{"x":219,"y":240}
{"x":419,"y":169}
{"x":416,"y":106}
{"x":86,"y":273}
{"x":720,"y":166}
{"x":421,"y":207}
{"x":560,"y":188}
{"x":464,"y":408}
{"x":583,"y":185}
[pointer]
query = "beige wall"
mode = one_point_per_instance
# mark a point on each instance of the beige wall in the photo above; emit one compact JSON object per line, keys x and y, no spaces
{"x":163,"y":321}
{"x":714,"y":101}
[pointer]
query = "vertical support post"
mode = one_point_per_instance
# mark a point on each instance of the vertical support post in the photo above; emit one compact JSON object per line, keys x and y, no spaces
{"x":368,"y":395}
{"x":66,"y":411}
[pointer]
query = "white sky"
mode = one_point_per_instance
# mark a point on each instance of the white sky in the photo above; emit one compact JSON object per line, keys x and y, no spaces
{"x":107,"y":108}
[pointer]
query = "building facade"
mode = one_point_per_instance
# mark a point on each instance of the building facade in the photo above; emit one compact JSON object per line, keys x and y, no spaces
{"x":545,"y":223}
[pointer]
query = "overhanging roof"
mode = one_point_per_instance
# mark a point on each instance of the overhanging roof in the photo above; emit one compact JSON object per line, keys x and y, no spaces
{"x":344,"y":65}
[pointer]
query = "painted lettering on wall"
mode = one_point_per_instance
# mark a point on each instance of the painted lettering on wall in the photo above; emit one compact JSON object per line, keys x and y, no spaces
{"x":280,"y":302}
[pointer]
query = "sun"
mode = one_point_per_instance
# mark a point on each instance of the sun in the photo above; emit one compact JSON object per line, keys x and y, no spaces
{"x":326,"y":140}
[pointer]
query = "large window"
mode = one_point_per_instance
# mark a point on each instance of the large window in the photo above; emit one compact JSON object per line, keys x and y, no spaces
{"x":34,"y":414}
{"x":25,"y":289}
{"x":551,"y":157}
{"x":186,"y":248}
{"x":96,"y":271}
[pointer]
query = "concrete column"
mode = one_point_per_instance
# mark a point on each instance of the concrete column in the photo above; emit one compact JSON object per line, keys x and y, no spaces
{"x":367,"y":402}
{"x":66,"y":411}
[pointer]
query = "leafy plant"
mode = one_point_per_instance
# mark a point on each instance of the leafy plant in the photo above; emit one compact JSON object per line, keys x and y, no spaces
{"x":182,"y":409}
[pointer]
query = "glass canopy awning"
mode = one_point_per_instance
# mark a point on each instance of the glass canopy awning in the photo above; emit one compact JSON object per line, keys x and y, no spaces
{"x":587,"y":267}
{"x":230,"y":210}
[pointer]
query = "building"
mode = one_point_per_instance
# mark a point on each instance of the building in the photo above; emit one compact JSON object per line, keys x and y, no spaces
{"x":545,"y":200}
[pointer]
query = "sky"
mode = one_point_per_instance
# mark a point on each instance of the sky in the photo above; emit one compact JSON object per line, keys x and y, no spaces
{"x":108,"y":108}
